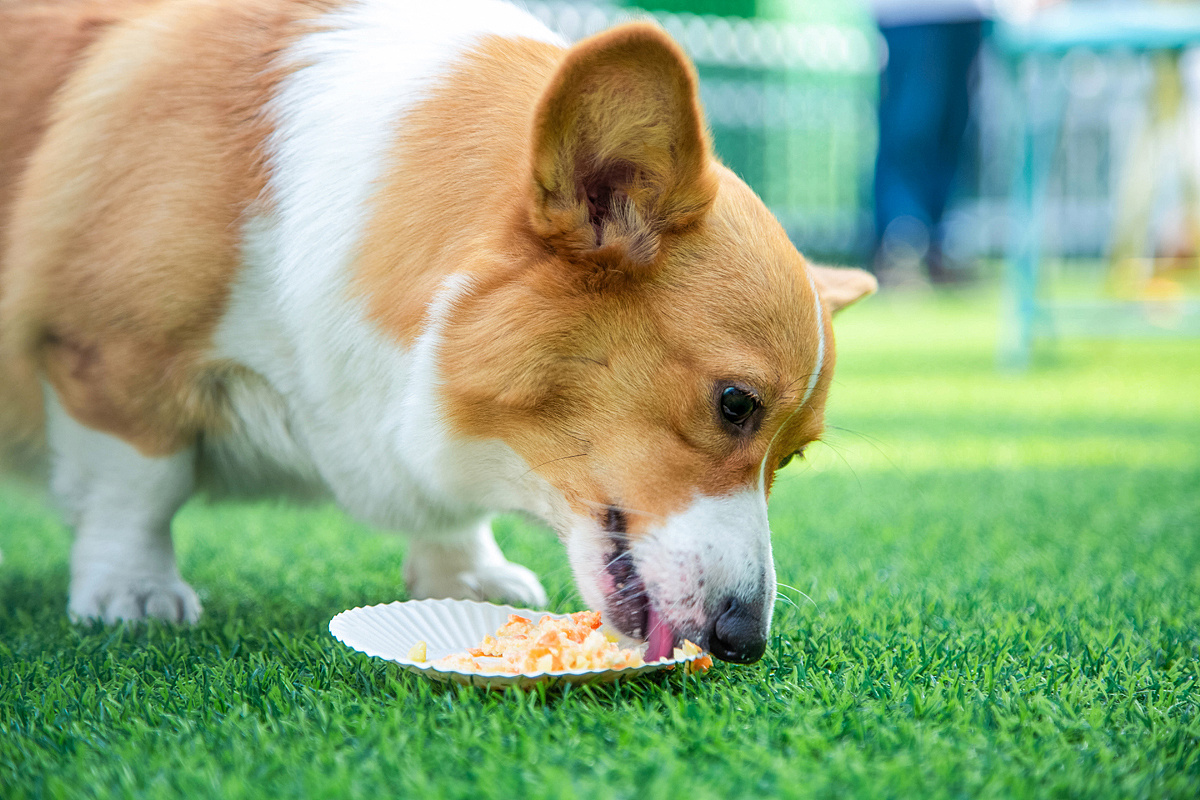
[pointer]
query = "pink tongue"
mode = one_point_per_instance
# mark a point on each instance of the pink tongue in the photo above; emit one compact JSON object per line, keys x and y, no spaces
{"x":661,"y":640}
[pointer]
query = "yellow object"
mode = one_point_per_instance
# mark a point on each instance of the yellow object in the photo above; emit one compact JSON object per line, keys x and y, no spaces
{"x":417,"y":653}
{"x":689,"y":649}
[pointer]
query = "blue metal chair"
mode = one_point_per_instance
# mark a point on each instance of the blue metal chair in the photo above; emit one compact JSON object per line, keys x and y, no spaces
{"x":1097,"y":26}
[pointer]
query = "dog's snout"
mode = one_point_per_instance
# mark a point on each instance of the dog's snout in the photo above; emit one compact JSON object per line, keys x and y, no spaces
{"x":737,"y":632}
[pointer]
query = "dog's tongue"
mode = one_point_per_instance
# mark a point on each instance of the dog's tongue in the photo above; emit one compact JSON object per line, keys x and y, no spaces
{"x":661,"y":642}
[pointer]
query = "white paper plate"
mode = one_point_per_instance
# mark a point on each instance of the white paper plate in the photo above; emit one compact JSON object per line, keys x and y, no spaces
{"x":391,"y":630}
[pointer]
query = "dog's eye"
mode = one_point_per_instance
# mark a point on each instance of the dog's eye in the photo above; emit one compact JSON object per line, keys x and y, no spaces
{"x":737,"y":404}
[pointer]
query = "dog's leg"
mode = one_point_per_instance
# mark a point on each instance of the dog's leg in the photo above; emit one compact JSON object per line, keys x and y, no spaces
{"x":468,"y":565}
{"x":120,"y":504}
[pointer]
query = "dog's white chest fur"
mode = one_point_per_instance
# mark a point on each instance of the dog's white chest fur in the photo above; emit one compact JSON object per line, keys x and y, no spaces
{"x":341,"y":410}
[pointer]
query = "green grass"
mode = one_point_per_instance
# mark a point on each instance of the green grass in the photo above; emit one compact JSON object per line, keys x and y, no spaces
{"x":1001,"y":598}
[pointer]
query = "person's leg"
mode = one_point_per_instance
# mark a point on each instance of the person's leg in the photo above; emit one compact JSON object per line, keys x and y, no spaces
{"x":909,"y":115}
{"x":958,"y":45}
{"x":924,"y":101}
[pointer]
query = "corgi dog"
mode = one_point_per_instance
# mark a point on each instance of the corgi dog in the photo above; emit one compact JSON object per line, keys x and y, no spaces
{"x":426,"y":260}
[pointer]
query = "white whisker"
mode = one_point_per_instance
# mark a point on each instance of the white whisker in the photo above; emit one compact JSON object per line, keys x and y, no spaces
{"x":786,"y":599}
{"x":797,"y":591}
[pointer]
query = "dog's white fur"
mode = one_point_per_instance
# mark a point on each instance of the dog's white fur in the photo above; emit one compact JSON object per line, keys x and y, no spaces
{"x":120,"y":504}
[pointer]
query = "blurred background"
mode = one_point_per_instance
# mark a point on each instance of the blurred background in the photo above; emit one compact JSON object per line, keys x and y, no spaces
{"x":1048,"y":147}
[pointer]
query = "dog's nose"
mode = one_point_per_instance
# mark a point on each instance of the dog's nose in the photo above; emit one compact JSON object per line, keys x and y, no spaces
{"x":737,"y":632}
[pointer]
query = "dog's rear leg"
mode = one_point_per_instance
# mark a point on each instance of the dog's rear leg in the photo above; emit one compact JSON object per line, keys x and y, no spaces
{"x":120,"y":504}
{"x":468,"y":565}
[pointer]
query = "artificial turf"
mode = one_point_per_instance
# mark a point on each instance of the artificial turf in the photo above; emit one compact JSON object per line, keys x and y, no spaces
{"x":996,"y":594}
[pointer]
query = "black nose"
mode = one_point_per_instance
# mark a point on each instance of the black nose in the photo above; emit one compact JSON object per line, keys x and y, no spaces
{"x":737,"y":633}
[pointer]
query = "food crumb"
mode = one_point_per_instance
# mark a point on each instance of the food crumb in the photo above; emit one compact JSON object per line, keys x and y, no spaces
{"x":689,"y":649}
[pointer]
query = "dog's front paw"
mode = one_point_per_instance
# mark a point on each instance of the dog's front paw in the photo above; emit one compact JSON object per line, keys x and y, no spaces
{"x":113,"y":598}
{"x":505,"y":582}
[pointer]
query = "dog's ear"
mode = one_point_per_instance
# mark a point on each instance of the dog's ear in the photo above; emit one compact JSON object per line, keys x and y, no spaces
{"x":841,"y":286}
{"x":620,"y":154}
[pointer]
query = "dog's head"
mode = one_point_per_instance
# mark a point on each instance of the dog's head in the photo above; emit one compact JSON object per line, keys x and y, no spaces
{"x":655,"y":352}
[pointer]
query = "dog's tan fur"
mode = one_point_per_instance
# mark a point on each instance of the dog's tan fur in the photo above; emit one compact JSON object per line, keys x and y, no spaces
{"x":42,"y":41}
{"x":118,"y":260}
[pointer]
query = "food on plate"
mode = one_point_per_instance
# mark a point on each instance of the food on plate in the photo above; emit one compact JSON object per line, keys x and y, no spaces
{"x":552,"y":644}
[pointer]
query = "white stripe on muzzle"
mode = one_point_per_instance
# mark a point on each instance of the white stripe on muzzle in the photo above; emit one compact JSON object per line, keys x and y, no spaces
{"x":816,"y":373}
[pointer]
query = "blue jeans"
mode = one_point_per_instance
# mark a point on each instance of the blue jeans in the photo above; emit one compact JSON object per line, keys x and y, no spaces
{"x":923,"y":107}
